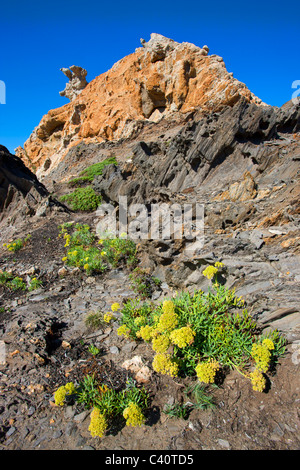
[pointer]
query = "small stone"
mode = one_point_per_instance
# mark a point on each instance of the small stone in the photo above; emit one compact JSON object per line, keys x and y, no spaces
{"x":71,"y":429}
{"x":69,"y":412}
{"x":195,"y":426}
{"x":129,"y":347}
{"x":11,"y":430}
{"x":114,"y":350}
{"x":62,"y":272}
{"x":81,"y":416}
{"x":224,"y":443}
{"x":2,"y":353}
{"x":30,"y":411}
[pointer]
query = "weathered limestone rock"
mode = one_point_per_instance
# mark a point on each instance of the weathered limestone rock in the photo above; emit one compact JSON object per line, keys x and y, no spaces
{"x":159,"y":79}
{"x":77,"y":82}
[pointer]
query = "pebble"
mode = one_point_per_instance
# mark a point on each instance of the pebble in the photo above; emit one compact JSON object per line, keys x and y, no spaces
{"x":11,"y":430}
{"x":81,"y":416}
{"x":2,"y":353}
{"x":71,"y":429}
{"x":69,"y":412}
{"x":30,"y":411}
{"x":224,"y":443}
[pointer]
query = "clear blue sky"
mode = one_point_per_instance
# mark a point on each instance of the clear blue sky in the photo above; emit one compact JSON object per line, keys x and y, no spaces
{"x":258,"y":40}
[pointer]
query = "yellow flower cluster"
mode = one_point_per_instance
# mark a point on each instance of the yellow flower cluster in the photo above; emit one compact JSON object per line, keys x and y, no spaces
{"x":146,"y":333}
{"x":67,"y":238}
{"x":123,"y":331}
{"x":164,"y":364}
{"x":161,"y":343}
{"x":139,"y":321}
{"x":10,"y":246}
{"x":168,"y":319}
{"x":115,"y":307}
{"x":108,"y":316}
{"x":218,"y":264}
{"x":182,"y":336}
{"x":62,"y":392}
{"x":17,"y":244}
{"x":133,"y":415}
{"x":211,"y":271}
{"x":206,"y":371}
{"x":258,"y":380}
{"x":168,"y":306}
{"x":98,"y":423}
{"x":268,"y":343}
{"x":262,"y":354}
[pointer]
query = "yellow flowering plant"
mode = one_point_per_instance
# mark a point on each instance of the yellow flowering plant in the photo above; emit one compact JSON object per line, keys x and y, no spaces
{"x":98,"y":423}
{"x":198,"y":334}
{"x":108,"y":404}
{"x":108,"y":316}
{"x":262,"y":354}
{"x":182,"y":337}
{"x":92,"y":255}
{"x":82,"y":250}
{"x":117,"y":251}
{"x":123,"y":330}
{"x":165,"y":364}
{"x":133,"y":415}
{"x":258,"y":380}
{"x":161,"y":343}
{"x":18,"y":244}
{"x":211,"y":271}
{"x":61,"y":394}
{"x":206,"y":371}
{"x":16,"y":282}
{"x":115,"y":307}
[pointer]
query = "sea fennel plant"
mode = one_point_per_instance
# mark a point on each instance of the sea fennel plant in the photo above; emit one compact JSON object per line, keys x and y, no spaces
{"x":202,"y":333}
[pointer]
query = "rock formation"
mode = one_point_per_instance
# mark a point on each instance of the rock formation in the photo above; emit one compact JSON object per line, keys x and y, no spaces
{"x":161,"y":79}
{"x":233,"y":138}
{"x":21,"y":194}
{"x":181,"y":131}
{"x":77,"y":82}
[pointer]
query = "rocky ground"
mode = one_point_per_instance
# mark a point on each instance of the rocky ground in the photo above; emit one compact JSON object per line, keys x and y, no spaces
{"x":45,"y":343}
{"x":241,"y":163}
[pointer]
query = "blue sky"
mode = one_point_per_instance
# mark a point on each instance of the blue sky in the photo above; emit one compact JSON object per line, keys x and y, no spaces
{"x":258,"y":40}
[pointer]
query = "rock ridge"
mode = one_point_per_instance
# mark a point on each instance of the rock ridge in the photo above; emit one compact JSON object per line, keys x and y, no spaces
{"x":161,"y":79}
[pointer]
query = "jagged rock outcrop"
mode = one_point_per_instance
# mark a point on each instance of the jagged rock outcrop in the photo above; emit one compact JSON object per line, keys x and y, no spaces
{"x":242,"y":165}
{"x":21,"y":194}
{"x":224,"y":145}
{"x":162,"y":78}
{"x":77,"y":82}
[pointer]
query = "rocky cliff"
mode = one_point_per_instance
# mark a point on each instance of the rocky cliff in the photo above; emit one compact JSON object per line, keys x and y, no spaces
{"x":173,"y":127}
{"x":161,"y":79}
{"x":22,"y":197}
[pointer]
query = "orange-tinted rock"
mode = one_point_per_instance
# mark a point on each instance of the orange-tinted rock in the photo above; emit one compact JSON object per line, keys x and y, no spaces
{"x":159,"y":79}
